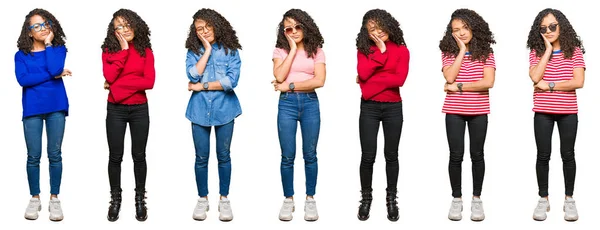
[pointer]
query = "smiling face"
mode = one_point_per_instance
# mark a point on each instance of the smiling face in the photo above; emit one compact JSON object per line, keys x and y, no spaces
{"x":462,"y":31}
{"x":549,"y":28}
{"x":293,"y":29}
{"x":39,"y":28}
{"x":205,"y":30}
{"x":124,"y":28}
{"x":374,"y":29}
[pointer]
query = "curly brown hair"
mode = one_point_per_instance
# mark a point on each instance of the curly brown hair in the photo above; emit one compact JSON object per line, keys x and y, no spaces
{"x":223,"y":31}
{"x":141,"y":40}
{"x":25,"y":43}
{"x":386,"y":22}
{"x":480,"y":45}
{"x":567,"y":39}
{"x":312,"y":36}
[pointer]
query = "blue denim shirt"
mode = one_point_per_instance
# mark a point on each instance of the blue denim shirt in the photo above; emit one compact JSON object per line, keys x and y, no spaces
{"x":214,"y":107}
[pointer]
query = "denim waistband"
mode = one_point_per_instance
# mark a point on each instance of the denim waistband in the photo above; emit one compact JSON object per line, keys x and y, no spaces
{"x":312,"y":93}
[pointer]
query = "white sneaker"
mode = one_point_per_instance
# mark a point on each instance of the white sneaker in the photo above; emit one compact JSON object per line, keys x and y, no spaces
{"x":477,"y":210}
{"x":34,"y":206}
{"x":310,"y":210}
{"x":542,"y":207}
{"x":201,"y":209}
{"x":225,"y":213}
{"x":570,"y":210}
{"x":456,"y":208}
{"x":285,"y":214}
{"x":56,"y":213}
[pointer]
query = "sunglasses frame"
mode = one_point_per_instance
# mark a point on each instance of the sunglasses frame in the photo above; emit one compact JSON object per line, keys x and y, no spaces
{"x":291,"y":28}
{"x":552,"y":27}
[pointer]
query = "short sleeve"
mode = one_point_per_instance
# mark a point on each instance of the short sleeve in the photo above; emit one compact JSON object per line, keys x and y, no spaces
{"x":533,"y":59}
{"x":277,"y":54}
{"x":320,"y":57}
{"x":447,"y":60}
{"x":490,"y":62}
{"x":578,"y":59}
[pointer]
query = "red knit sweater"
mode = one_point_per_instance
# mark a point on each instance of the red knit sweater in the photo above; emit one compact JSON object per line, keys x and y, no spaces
{"x":128,"y":75}
{"x":382,"y":74}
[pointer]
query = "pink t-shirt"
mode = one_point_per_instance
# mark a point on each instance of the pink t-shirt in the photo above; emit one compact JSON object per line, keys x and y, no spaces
{"x":303,"y":68}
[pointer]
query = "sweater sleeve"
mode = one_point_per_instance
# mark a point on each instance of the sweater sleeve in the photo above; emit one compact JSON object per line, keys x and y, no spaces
{"x":113,"y":63}
{"x":24,"y":77}
{"x":398,"y":79}
{"x":55,"y":59}
{"x":140,"y":82}
{"x":367,"y":65}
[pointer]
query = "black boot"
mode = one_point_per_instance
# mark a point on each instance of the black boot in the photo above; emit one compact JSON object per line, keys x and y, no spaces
{"x":141,"y":213}
{"x":365,"y":204}
{"x":115,"y":206}
{"x":392,"y":204}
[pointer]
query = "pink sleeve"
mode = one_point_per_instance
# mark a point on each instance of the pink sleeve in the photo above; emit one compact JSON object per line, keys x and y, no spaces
{"x":447,"y":61}
{"x":277,"y":54}
{"x":578,"y":59}
{"x":490,"y":62}
{"x":320,"y":57}
{"x":533,"y":59}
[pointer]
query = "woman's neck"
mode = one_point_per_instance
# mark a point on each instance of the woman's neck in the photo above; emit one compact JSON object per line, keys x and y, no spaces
{"x":300,"y":46}
{"x":38,"y":46}
{"x":556,"y":45}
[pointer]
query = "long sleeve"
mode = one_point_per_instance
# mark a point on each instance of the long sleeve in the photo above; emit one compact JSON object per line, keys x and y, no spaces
{"x":233,"y":72}
{"x":24,"y":77}
{"x":398,"y":79}
{"x":367,"y":65}
{"x":190,"y":67}
{"x":113,"y":64}
{"x":55,"y":59}
{"x":144,"y":82}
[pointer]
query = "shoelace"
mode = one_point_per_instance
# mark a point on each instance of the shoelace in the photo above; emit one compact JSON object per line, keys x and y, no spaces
{"x":455,"y":204}
{"x":541,"y":206}
{"x":311,"y":205}
{"x":570,"y":206}
{"x":33,"y":205}
{"x":201,"y":205}
{"x":477,"y":205}
{"x":55,"y":205}
{"x":288,"y":206}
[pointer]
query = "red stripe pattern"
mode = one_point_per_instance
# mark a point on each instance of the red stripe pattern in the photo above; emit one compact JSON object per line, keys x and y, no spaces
{"x":468,"y":103}
{"x":558,"y":69}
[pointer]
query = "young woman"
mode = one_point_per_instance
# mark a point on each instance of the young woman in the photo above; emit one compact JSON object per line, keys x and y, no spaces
{"x":213,"y":68}
{"x":557,"y":70}
{"x":382,"y":69}
{"x":469,"y":69}
{"x":299,"y":69}
{"x":40,"y":67}
{"x":128,"y":66}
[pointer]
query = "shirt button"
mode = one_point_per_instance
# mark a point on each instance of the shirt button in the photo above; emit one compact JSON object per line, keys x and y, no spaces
{"x":208,"y":114}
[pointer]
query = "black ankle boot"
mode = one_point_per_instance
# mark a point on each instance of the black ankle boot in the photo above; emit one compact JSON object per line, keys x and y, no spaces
{"x":141,"y":213}
{"x":115,"y":206}
{"x":365,"y":204}
{"x":392,"y":205}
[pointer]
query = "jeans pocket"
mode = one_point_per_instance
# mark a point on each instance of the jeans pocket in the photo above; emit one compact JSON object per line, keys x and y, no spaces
{"x":312,"y":96}
{"x":283,"y":96}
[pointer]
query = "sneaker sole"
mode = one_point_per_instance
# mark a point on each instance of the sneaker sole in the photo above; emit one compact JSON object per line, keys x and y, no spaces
{"x":291,"y":216}
{"x":540,"y":219}
{"x":57,"y":219}
{"x":311,"y":219}
{"x":225,"y":220}
{"x":34,"y":217}
{"x":477,"y":219}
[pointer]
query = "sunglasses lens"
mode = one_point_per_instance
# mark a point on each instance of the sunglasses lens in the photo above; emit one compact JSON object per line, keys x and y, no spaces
{"x":289,"y":29}
{"x":298,"y":27}
{"x":553,"y":27}
{"x":543,"y":29}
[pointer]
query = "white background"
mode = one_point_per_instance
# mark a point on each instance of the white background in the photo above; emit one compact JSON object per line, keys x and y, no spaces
{"x":510,"y":188}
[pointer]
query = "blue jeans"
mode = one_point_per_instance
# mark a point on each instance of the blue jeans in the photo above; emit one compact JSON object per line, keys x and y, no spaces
{"x":201,"y":135}
{"x":55,"y":129}
{"x":294,"y":108}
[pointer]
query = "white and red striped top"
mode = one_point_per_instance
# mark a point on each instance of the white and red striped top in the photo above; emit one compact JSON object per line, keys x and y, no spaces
{"x":468,"y":103}
{"x":558,"y":69}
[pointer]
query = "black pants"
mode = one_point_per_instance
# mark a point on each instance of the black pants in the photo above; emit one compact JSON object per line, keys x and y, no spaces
{"x":455,"y":131}
{"x":117,"y":117}
{"x":543,"y":125}
{"x":390,"y":115}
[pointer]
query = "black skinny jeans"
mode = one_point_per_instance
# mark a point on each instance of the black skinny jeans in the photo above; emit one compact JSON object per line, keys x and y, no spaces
{"x":390,"y":115}
{"x":117,"y":117}
{"x":455,"y":131}
{"x":543,"y":125}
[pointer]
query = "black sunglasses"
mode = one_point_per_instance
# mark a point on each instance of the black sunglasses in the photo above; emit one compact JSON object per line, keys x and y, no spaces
{"x":552,"y":28}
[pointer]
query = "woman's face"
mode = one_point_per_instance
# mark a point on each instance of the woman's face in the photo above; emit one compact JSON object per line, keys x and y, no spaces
{"x":374,"y":29}
{"x":124,"y":28}
{"x":462,"y":31}
{"x":39,"y":28}
{"x":205,"y":30}
{"x":293,"y":29}
{"x":550,"y":28}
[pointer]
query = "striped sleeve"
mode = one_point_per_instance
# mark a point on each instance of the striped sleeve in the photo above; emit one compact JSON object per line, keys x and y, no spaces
{"x":490,"y":62}
{"x":578,"y":59}
{"x":533,"y":59}
{"x":447,"y":61}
